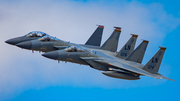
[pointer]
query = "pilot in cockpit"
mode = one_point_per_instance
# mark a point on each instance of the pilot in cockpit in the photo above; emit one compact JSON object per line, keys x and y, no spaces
{"x":74,"y":49}
{"x":36,"y":34}
{"x":48,"y":38}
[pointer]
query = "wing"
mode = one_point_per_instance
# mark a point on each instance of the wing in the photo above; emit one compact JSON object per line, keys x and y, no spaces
{"x":125,"y":67}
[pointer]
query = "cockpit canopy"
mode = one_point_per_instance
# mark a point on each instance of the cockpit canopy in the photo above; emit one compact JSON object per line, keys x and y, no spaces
{"x":74,"y":49}
{"x":48,"y":38}
{"x":36,"y":34}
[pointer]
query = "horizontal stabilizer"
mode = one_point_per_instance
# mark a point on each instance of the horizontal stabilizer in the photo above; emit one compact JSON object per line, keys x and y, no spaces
{"x":138,"y":54}
{"x":95,"y":39}
{"x":128,"y":47}
{"x":112,"y":42}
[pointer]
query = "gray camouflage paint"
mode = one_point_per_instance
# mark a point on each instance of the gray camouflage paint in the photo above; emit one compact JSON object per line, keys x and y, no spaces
{"x":106,"y":61}
{"x":128,"y":47}
{"x":112,"y":42}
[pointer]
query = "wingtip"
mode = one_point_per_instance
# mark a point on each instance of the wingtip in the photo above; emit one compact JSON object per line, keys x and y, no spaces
{"x":168,"y":78}
{"x":171,"y":79}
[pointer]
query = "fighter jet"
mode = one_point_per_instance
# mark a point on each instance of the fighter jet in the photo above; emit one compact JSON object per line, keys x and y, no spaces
{"x":49,"y":43}
{"x":126,"y":64}
{"x":30,"y":36}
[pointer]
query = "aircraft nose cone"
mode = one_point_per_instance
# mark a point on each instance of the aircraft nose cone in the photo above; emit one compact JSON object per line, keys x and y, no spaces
{"x":51,"y":55}
{"x":13,"y":41}
{"x":26,"y":45}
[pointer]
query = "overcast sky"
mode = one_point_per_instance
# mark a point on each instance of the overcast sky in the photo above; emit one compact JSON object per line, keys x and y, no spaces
{"x":29,"y":76}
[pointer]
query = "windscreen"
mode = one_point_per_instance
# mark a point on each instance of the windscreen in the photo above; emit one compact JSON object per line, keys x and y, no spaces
{"x":74,"y":49}
{"x":36,"y":34}
{"x":48,"y":38}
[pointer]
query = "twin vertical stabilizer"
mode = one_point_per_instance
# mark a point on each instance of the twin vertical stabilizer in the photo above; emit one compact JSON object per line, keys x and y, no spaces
{"x":112,"y":42}
{"x":96,"y":37}
{"x":154,"y":63}
{"x":138,"y":54}
{"x":128,"y":47}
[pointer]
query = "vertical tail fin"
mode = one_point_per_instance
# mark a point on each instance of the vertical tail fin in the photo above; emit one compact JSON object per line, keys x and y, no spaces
{"x":154,"y":63}
{"x":128,"y":47}
{"x":112,"y":42}
{"x":138,"y":54}
{"x":96,"y":37}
